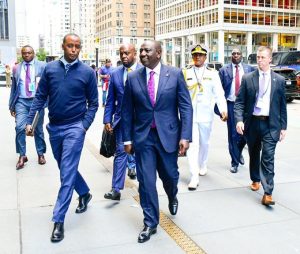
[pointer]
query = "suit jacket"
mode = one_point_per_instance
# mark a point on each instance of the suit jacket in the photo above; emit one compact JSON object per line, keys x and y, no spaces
{"x":226,"y":76}
{"x":172,"y":98}
{"x":246,"y":100}
{"x":112,"y":112}
{"x":14,"y":93}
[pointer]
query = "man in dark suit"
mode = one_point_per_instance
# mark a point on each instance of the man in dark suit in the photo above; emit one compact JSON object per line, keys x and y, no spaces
{"x":112,"y":117}
{"x":70,"y":87}
{"x":24,"y":85}
{"x":231,"y":76}
{"x":261,"y":116}
{"x":157,"y":120}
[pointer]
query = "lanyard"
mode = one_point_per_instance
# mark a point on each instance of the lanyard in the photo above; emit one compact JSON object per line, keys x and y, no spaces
{"x":199,"y":80}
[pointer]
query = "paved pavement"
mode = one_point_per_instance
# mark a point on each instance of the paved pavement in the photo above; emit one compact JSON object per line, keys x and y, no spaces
{"x":222,"y":216}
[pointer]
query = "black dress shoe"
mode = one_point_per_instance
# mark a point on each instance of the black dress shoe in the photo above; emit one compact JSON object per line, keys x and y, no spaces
{"x":83,"y":203}
{"x":21,"y":162}
{"x":146,"y":234}
{"x":173,"y":206}
{"x":41,"y":159}
{"x":242,"y":161}
{"x":131,"y":174}
{"x":113,"y":195}
{"x":234,"y":169}
{"x":58,"y":232}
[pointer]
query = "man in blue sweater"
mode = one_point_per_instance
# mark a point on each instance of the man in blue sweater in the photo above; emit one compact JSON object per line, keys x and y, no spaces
{"x":71,"y":89}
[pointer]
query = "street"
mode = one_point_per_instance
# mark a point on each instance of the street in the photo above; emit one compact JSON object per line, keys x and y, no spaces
{"x":222,"y":216}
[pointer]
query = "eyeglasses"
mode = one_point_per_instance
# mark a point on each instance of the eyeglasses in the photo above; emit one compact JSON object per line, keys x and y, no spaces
{"x":236,"y":53}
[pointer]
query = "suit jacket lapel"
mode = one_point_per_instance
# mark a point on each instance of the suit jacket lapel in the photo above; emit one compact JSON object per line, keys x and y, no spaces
{"x":120,"y":75}
{"x":230,"y":71}
{"x":163,"y":79}
{"x":273,"y":84}
{"x":255,"y":81}
{"x":142,"y":78}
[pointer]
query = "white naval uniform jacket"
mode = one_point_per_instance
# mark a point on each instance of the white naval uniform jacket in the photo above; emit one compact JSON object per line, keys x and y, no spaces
{"x":207,"y":94}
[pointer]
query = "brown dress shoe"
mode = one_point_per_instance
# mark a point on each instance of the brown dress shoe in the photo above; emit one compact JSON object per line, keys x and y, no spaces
{"x":255,"y":186}
{"x":267,"y":200}
{"x":21,"y":162}
{"x":42,"y":159}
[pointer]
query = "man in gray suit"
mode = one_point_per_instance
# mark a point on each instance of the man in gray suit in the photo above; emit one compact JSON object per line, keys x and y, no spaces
{"x":24,"y":85}
{"x":261,"y":116}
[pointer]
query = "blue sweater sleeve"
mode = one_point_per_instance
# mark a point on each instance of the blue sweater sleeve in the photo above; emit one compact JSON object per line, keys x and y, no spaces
{"x":92,"y":101}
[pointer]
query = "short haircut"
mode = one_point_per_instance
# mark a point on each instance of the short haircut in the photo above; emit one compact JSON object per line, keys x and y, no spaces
{"x":265,"y":48}
{"x":71,"y":34}
{"x":27,"y":46}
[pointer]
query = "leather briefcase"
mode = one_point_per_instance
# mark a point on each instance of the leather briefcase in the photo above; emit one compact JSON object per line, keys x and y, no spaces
{"x":108,"y":144}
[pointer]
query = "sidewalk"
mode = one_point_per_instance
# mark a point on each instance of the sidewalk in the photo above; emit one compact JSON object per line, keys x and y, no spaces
{"x":222,"y":216}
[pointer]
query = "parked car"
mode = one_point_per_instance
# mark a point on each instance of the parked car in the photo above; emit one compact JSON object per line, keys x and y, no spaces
{"x":291,"y":88}
{"x":2,"y":76}
{"x":215,"y":65}
{"x":298,"y":82}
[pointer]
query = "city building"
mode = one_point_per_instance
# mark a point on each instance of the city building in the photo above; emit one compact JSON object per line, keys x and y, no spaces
{"x":83,"y":23}
{"x":120,"y":22}
{"x":7,"y":32}
{"x":224,"y":24}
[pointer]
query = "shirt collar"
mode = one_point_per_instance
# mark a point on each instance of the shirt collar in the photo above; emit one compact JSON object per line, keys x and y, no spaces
{"x":31,"y":62}
{"x":64,"y":61}
{"x":266,"y":72}
{"x":132,"y":67}
{"x":239,"y":65}
{"x":156,"y":69}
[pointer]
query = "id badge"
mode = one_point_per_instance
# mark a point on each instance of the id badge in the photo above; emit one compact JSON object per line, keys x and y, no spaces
{"x":32,"y":87}
{"x":260,"y":103}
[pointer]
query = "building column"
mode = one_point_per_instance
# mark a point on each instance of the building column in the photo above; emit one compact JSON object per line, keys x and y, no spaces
{"x":206,"y":39}
{"x":249,"y":43}
{"x":298,"y":41}
{"x":221,"y":46}
{"x":183,"y":42}
{"x":275,"y":42}
{"x":173,"y":52}
{"x":164,"y":51}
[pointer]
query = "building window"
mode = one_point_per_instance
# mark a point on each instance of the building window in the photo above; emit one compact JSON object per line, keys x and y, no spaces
{"x":4,"y":32}
{"x":133,"y":15}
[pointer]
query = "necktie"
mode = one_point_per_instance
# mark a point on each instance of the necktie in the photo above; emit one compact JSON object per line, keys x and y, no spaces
{"x":27,"y":80}
{"x":262,"y":84}
{"x":237,"y":80}
{"x":151,"y":91}
{"x":129,"y":70}
{"x":68,"y":67}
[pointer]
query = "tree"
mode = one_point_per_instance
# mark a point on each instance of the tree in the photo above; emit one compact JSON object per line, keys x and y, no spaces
{"x":41,"y":54}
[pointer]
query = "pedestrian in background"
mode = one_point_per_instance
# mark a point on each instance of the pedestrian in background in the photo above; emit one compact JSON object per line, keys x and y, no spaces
{"x":231,"y":76}
{"x":112,"y":120}
{"x":71,"y":90}
{"x":96,"y":71}
{"x":261,"y":116}
{"x":156,"y":123}
{"x":205,"y":90}
{"x":104,"y":73}
{"x":25,"y":81}
{"x":8,"y":76}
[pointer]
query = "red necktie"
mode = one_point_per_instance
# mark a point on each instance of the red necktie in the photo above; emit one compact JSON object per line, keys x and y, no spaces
{"x":237,"y":80}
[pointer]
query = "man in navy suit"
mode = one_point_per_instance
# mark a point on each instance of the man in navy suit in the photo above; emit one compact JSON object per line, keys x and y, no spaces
{"x":231,"y":76}
{"x":261,"y":116}
{"x":24,"y":85}
{"x":157,"y":118}
{"x":112,"y":117}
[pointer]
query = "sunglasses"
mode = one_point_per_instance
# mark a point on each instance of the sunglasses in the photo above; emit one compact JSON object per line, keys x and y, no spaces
{"x":236,"y":53}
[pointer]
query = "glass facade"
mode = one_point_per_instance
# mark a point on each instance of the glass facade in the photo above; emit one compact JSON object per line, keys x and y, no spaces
{"x":225,"y":24}
{"x":4,"y":32}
